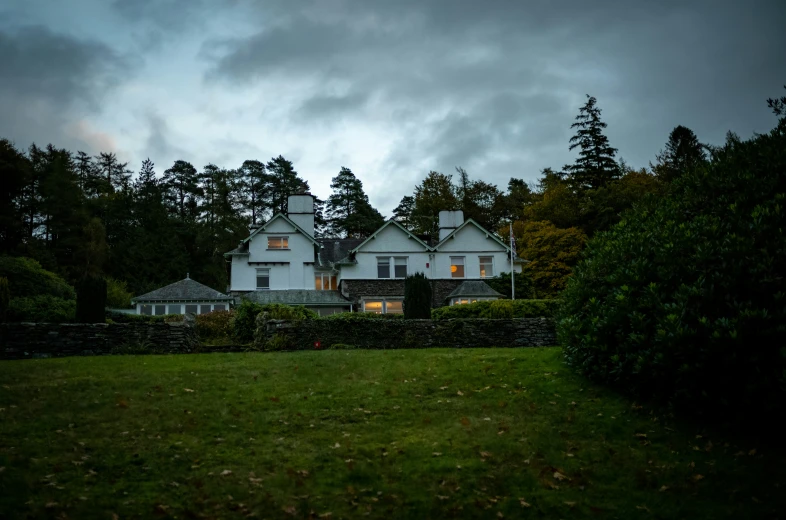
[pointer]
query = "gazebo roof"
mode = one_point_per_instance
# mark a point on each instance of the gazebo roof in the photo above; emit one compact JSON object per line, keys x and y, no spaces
{"x":184,"y":290}
{"x":476,"y":288}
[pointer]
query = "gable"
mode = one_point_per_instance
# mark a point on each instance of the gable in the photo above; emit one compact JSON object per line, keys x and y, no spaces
{"x":392,"y":237}
{"x":281,"y":224}
{"x":470,"y":237}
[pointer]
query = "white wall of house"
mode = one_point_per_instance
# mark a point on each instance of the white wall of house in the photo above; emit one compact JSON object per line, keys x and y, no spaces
{"x":472,"y":243}
{"x":391,"y":242}
{"x":289,"y":268}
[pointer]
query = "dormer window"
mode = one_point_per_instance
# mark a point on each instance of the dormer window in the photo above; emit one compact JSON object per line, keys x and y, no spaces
{"x":278,"y":242}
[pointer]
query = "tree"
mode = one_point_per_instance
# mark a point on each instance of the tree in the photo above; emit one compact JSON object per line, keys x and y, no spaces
{"x":87,"y":173}
{"x":113,"y":173}
{"x":284,"y":181}
{"x":349,"y":212}
{"x":417,"y":297}
{"x":555,"y":201}
{"x":15,"y":176}
{"x":552,"y":254}
{"x":436,"y":193}
{"x":181,"y":190}
{"x":91,"y":299}
{"x":517,"y":198}
{"x":403,"y":212}
{"x":683,"y":153}
{"x":595,"y":166}
{"x":255,"y":185}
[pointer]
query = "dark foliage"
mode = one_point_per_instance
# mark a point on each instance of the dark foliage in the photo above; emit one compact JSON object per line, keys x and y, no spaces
{"x":245,"y":315}
{"x":91,"y":300}
{"x":685,"y":299}
{"x":26,"y":277}
{"x":5,"y":298}
{"x":501,"y":283}
{"x":43,"y":308}
{"x":417,"y":297}
{"x":499,"y":309}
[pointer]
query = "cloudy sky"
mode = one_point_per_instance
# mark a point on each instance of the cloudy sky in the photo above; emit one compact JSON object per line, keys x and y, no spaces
{"x":390,"y":89}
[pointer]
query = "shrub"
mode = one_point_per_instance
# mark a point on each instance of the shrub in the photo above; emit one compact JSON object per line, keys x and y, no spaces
{"x":244,"y":321}
{"x":498,"y":309}
{"x":41,"y":309}
{"x":91,"y":300}
{"x":216,"y":325}
{"x":122,"y":317}
{"x":26,"y":277}
{"x":5,"y":298}
{"x":524,"y":286}
{"x":685,"y":299}
{"x":361,"y":316}
{"x":117,"y":294}
{"x":417,"y":297}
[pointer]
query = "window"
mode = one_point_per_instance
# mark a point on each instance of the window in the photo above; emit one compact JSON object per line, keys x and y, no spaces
{"x":383,"y":267}
{"x":147,"y":310}
{"x":278,"y":242}
{"x":219,"y":307}
{"x":400,"y":267}
{"x":486,"y":266}
{"x":383,"y":306}
{"x":325,"y":282}
{"x":176,"y":309}
{"x":204,"y":309}
{"x":263,"y":278}
{"x":192,"y":309}
{"x":457,"y":267}
{"x":160,"y":310}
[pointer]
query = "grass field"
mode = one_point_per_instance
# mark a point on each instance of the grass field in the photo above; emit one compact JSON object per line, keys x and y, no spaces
{"x":494,"y":433}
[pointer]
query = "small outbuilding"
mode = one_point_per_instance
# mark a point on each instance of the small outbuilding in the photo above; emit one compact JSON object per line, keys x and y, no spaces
{"x":472,"y":291}
{"x":183,"y":297}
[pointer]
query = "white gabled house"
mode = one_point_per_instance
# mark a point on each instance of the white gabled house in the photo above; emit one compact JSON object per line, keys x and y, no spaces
{"x":281,"y":261}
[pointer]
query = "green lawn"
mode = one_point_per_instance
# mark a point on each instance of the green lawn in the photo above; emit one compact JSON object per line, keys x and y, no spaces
{"x":388,"y":434}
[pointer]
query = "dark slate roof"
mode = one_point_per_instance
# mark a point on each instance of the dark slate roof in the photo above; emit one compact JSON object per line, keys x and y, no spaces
{"x":242,"y":249}
{"x":335,"y":250}
{"x":297,"y":297}
{"x":474,"y":288}
{"x":183,"y":290}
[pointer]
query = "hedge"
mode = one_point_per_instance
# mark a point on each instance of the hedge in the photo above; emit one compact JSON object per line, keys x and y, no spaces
{"x":498,"y":309}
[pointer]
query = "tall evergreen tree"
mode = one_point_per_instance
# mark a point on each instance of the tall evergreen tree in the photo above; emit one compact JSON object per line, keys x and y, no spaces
{"x":517,"y":198}
{"x":113,"y":173}
{"x":349,"y":212}
{"x":181,"y":190}
{"x":595,"y":166}
{"x":683,"y":153}
{"x":403,"y":212}
{"x":14,"y":178}
{"x":284,"y":181}
{"x":255,"y":189}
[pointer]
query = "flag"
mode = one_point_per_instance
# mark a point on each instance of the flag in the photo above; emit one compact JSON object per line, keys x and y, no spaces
{"x":513,"y":253}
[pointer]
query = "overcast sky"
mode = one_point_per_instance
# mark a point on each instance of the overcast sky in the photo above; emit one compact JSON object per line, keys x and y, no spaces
{"x":390,"y":89}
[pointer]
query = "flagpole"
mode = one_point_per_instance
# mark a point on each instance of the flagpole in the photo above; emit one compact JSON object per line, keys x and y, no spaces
{"x":512,"y":267}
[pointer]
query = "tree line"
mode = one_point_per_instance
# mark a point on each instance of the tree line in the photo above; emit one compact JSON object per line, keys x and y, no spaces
{"x":79,"y":214}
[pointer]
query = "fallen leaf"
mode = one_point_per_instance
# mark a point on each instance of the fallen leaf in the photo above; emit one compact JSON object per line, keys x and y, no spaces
{"x":752,"y":452}
{"x":663,"y":488}
{"x":698,"y":477}
{"x":188,"y":390}
{"x":524,"y":503}
{"x":442,"y":497}
{"x":443,"y":387}
{"x":485,"y":454}
{"x":465,"y":421}
{"x":643,"y":508}
{"x":436,"y":454}
{"x":337,"y":445}
{"x":226,"y":472}
{"x":275,"y":399}
{"x":641,"y":435}
{"x":560,"y":476}
{"x":570,"y":504}
{"x":290,"y":510}
{"x":552,"y":402}
{"x":460,"y":392}
{"x":50,"y":505}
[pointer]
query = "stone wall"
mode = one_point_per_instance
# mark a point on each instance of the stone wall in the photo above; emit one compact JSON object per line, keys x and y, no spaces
{"x":38,"y":340}
{"x":354,"y":289}
{"x":399,"y":333}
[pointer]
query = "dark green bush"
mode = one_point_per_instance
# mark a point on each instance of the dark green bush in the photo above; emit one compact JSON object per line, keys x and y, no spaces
{"x":243,"y":323}
{"x":417,"y":297}
{"x":685,"y":299}
{"x":117,"y":294}
{"x":5,"y":298}
{"x":498,"y":309}
{"x":361,"y":316}
{"x":26,"y":277}
{"x":41,"y":309}
{"x":91,"y":300}
{"x":525,"y":288}
{"x":122,"y":317}
{"x":216,"y":325}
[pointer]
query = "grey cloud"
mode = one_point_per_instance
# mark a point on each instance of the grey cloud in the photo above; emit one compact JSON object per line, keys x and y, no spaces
{"x":322,"y":106}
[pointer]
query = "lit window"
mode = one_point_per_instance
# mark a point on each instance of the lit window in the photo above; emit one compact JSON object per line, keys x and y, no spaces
{"x":383,"y":267}
{"x":147,"y":310}
{"x":192,"y":309}
{"x":400,"y":268}
{"x":204,"y":309}
{"x":325,"y":282}
{"x":160,"y":310}
{"x":373,"y":306}
{"x":457,"y":267}
{"x":278,"y":242}
{"x":176,"y":309}
{"x":394,"y":308}
{"x":486,"y":266}
{"x":263,"y":279}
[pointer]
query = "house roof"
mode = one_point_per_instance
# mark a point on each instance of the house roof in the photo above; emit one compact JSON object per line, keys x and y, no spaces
{"x":336,"y":250}
{"x":394,"y":223}
{"x":474,"y":288}
{"x":297,"y":297}
{"x":281,"y":215}
{"x":184,"y":290}
{"x":240,"y":250}
{"x":484,"y":230}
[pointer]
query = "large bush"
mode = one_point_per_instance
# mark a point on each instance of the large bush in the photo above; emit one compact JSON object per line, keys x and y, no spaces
{"x":117,"y":294}
{"x":498,"y":309}
{"x":214,"y":326}
{"x":26,"y":277}
{"x":524,"y":287}
{"x":41,"y":309}
{"x":91,"y":299}
{"x":244,"y":321}
{"x":5,"y":298}
{"x":417,"y":297}
{"x":685,"y":299}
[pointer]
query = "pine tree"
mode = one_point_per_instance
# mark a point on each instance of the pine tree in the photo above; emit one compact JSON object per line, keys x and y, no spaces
{"x":595,"y":166}
{"x":181,"y":190}
{"x":284,"y":181}
{"x":15,"y":175}
{"x":683,"y":153}
{"x":349,"y":211}
{"x":403,"y":212}
{"x":255,"y":188}
{"x":113,"y":174}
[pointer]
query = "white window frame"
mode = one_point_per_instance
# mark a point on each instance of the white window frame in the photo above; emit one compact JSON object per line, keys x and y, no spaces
{"x":282,"y":240}
{"x":384,"y":260}
{"x":462,"y":264}
{"x":395,"y":264}
{"x":264,"y":270}
{"x":384,"y":302}
{"x":480,"y":267}
{"x":326,"y":276}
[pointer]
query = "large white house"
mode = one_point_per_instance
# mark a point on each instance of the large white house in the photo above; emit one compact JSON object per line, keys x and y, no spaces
{"x":281,"y":261}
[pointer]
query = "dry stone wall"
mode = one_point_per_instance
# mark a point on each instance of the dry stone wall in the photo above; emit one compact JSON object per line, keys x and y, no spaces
{"x":41,"y":340}
{"x":396,"y":334}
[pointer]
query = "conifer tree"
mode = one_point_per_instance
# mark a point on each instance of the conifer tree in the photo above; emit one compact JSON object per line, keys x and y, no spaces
{"x":255,"y":189}
{"x":349,"y":211}
{"x":181,"y":190}
{"x":284,"y":181}
{"x":595,"y":166}
{"x":683,"y":153}
{"x":403,"y":212}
